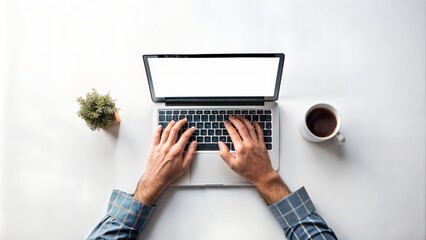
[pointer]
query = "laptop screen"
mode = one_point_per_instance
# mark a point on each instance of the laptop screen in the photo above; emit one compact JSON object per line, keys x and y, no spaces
{"x":213,"y":75}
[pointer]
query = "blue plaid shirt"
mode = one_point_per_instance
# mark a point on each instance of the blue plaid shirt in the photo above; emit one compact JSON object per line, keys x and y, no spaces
{"x":126,"y":218}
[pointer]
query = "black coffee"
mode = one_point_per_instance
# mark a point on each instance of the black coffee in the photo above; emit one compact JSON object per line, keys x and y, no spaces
{"x":321,"y":122}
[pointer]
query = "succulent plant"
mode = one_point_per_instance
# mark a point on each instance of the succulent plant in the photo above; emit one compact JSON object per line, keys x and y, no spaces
{"x":97,"y":110}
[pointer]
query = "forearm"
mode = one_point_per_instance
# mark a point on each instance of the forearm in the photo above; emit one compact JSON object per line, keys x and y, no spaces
{"x":147,"y":192}
{"x":272,"y":188}
{"x":299,"y":219}
{"x":126,"y":218}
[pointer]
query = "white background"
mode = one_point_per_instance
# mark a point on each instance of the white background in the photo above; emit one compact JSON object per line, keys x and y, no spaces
{"x":367,"y":58}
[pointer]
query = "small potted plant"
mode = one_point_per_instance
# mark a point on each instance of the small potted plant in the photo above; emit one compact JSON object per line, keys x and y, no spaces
{"x":98,"y":111}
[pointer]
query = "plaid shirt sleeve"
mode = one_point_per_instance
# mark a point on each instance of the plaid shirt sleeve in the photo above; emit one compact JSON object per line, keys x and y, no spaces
{"x":126,"y":218}
{"x":298,"y":218}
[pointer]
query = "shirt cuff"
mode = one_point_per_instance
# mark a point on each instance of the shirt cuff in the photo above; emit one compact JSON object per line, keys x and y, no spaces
{"x":293,"y":208}
{"x":129,"y":211}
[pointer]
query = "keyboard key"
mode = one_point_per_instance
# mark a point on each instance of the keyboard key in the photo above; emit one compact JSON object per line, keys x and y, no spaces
{"x":221,"y":125}
{"x":191,"y":124}
{"x":267,"y":139}
{"x":265,"y":118}
{"x":203,"y":132}
{"x":161,"y":118}
{"x":189,"y":117}
{"x":169,"y":112}
{"x":200,"y":139}
{"x":199,"y":112}
{"x":207,"y":139}
{"x":268,"y":112}
{"x":197,"y":118}
{"x":191,"y":112}
{"x":222,"y":138}
{"x":252,"y":111}
{"x":244,"y":112}
{"x":175,"y":112}
{"x":212,"y":118}
{"x":161,"y":112}
{"x":219,"y":118}
{"x":206,"y":112}
{"x":230,"y":112}
{"x":228,"y":139}
{"x":268,"y":125}
{"x":259,"y":111}
{"x":218,"y":132}
{"x":215,"y":125}
{"x":268,"y":146}
{"x":200,"y":125}
{"x":215,"y":139}
{"x":225,"y":132}
{"x":208,"y":147}
{"x":168,"y":118}
{"x":175,"y":117}
{"x":163,"y":124}
{"x":204,"y":118}
{"x":181,"y":117}
{"x":255,"y":118}
{"x":207,"y":125}
{"x":267,"y":132}
{"x":237,"y":112}
{"x":197,"y":132}
{"x":184,"y":112}
{"x":210,"y":132}
{"x":215,"y":112}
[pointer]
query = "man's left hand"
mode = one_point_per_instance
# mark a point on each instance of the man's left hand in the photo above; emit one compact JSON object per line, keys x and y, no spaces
{"x":167,"y":161}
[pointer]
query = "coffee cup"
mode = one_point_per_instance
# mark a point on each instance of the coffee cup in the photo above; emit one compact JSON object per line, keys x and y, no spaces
{"x":321,"y":123}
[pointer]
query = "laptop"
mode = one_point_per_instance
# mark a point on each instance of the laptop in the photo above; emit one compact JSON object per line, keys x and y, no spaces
{"x":207,"y":89}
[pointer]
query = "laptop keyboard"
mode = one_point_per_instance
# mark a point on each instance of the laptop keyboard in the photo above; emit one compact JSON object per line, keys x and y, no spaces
{"x":210,"y":127}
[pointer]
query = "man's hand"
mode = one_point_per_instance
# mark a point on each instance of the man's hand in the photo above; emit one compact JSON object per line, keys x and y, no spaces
{"x":167,"y":161}
{"x":251,"y":159}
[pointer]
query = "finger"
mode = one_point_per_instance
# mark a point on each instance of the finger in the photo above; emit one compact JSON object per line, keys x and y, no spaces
{"x":249,"y":126}
{"x":235,"y":136}
{"x":259,"y":133}
{"x":175,"y":131}
{"x":185,"y":138}
{"x":190,"y":154}
{"x":166,"y":132}
{"x":157,"y":136}
{"x":242,"y":130}
{"x":225,"y":154}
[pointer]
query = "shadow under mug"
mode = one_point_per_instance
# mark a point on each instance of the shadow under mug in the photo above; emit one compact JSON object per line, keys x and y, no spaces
{"x":321,"y":123}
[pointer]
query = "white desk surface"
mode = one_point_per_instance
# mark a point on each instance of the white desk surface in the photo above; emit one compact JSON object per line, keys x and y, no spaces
{"x":365,"y":57}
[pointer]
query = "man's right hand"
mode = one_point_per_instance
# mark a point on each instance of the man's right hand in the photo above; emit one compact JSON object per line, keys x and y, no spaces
{"x":251,"y":159}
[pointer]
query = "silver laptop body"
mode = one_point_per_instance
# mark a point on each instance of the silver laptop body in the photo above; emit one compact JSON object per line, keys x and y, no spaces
{"x":207,"y":89}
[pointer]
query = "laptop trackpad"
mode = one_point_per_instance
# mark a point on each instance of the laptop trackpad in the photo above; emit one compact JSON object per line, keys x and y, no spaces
{"x":209,"y":168}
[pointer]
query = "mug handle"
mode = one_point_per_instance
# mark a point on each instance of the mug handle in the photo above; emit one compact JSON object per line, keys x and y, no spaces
{"x":340,"y":138}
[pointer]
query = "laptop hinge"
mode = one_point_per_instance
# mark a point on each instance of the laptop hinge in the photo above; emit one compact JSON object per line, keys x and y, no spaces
{"x":234,"y":101}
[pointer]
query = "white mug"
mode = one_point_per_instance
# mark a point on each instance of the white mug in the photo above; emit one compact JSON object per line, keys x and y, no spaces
{"x":320,"y":123}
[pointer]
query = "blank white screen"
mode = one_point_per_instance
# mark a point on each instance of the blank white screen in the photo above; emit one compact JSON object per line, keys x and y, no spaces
{"x":214,"y":77}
